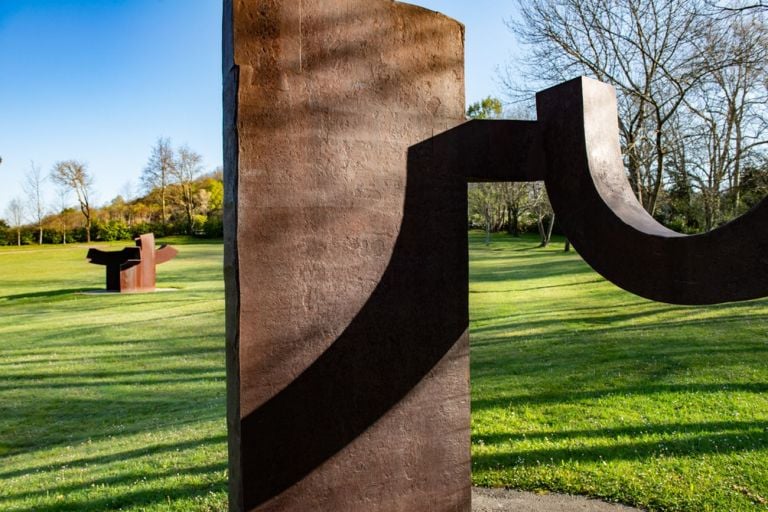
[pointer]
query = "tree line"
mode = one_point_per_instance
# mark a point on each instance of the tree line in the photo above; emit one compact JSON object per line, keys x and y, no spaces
{"x":178,"y":197}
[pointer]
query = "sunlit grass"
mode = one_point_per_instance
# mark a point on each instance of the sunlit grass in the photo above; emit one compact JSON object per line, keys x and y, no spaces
{"x":117,"y":402}
{"x":582,"y":388}
{"x":111,"y":402}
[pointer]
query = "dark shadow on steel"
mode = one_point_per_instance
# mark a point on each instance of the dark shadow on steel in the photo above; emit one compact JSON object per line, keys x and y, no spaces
{"x":400,"y":334}
{"x":133,"y":269}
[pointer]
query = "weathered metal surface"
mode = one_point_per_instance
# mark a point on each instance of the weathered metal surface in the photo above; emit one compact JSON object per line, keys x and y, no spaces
{"x":589,"y":191}
{"x":133,"y":269}
{"x":346,"y":162}
{"x":349,"y":376}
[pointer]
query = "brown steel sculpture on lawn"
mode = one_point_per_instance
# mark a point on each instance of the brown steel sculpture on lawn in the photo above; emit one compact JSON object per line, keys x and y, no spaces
{"x":133,"y":269}
{"x":347,"y":158}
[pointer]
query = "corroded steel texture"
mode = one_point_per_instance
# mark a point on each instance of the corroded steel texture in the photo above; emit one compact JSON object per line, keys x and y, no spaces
{"x":346,"y":162}
{"x":589,"y":191}
{"x":133,"y":269}
{"x":347,"y":343}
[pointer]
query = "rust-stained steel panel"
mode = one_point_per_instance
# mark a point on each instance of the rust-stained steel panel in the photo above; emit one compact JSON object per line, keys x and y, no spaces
{"x":343,"y":398}
{"x":346,"y":163}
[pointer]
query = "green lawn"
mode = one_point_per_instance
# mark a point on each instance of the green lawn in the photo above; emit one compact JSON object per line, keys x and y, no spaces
{"x":582,"y":388}
{"x":111,"y":402}
{"x":117,"y":402}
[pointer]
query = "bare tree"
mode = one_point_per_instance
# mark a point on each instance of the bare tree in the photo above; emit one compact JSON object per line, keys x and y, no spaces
{"x":75,"y":176}
{"x":187,"y":168}
{"x":484,"y":200}
{"x":516,"y":197}
{"x":63,"y":207}
{"x":644,"y":48}
{"x":159,"y":172}
{"x":15,"y":212}
{"x":33,"y":189}
{"x":542,"y":209}
{"x":730,"y":111}
{"x":739,"y":7}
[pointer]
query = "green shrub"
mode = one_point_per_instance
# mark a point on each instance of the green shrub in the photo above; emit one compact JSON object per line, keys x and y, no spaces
{"x":112,"y":230}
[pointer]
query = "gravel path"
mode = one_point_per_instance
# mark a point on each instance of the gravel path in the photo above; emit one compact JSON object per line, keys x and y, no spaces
{"x":502,"y":500}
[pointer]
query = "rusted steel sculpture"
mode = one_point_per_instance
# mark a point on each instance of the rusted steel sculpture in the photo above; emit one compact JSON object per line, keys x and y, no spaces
{"x":346,"y":162}
{"x":133,"y":269}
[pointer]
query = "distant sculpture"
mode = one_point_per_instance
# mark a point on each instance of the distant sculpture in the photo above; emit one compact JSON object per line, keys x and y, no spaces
{"x":133,"y":268}
{"x":347,"y":158}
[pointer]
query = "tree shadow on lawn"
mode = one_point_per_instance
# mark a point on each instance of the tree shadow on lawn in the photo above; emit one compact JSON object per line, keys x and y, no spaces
{"x":521,"y":272}
{"x":129,"y":478}
{"x":91,"y":334}
{"x":573,"y":397}
{"x":218,"y":377}
{"x":523,"y":323}
{"x":147,"y":497}
{"x":519,"y":290}
{"x":83,"y":462}
{"x":597,"y":358}
{"x":57,"y":419}
{"x":48,"y":294}
{"x":733,"y":427}
{"x":701,"y":439}
{"x":43,"y":355}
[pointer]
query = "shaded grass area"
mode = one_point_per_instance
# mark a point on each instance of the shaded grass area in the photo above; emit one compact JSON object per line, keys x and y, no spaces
{"x":580,"y":387}
{"x":111,"y":402}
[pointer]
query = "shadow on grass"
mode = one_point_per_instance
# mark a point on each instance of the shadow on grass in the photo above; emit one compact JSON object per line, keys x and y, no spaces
{"x":517,"y":272}
{"x":202,"y":379}
{"x":122,"y":479}
{"x":522,"y":321}
{"x":196,"y":371}
{"x":519,"y":290}
{"x":570,"y":397}
{"x":734,"y":427}
{"x":144,"y":498}
{"x":49,"y":294}
{"x":701,"y":439}
{"x":114,"y":414}
{"x":117,"y":456}
{"x":27,"y":358}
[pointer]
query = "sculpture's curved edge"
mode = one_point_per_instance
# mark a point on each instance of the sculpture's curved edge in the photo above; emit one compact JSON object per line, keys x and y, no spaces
{"x":431,"y":12}
{"x":589,"y":192}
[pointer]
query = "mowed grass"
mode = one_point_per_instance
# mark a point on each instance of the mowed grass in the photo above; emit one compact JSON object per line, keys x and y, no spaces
{"x":111,"y":402}
{"x":117,"y":402}
{"x":582,"y":388}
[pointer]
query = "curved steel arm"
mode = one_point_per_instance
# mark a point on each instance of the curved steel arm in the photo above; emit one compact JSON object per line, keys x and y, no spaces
{"x":591,"y":196}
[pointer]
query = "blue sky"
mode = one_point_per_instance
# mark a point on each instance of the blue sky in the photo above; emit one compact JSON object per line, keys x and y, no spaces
{"x":101,"y":80}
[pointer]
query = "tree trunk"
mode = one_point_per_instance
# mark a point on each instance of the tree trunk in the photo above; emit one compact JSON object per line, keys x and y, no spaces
{"x":567,"y":245}
{"x":546,"y":234}
{"x":190,"y":222}
{"x":654,"y":198}
{"x":514,"y":221}
{"x":162,"y":208}
{"x":551,"y":227}
{"x":18,"y":237}
{"x":40,"y":237}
